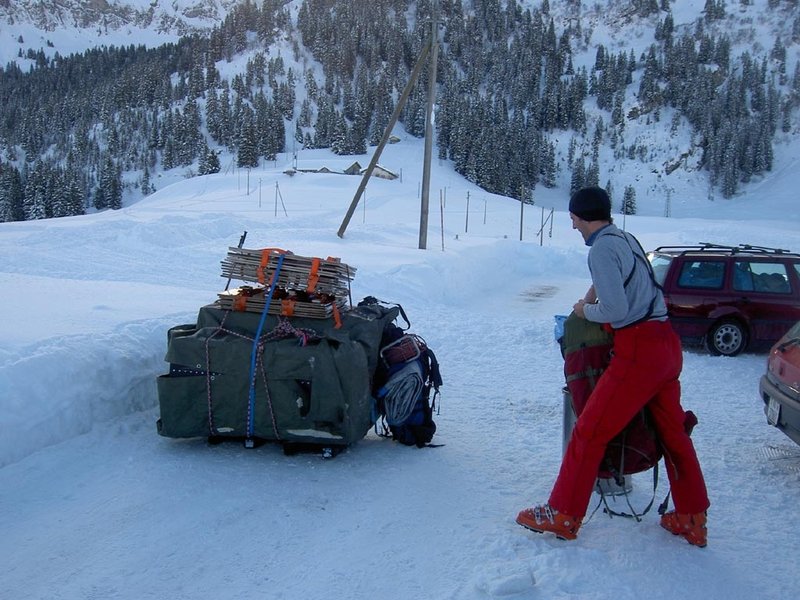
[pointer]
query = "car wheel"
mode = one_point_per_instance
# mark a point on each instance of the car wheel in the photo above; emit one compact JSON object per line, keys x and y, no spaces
{"x":726,"y":338}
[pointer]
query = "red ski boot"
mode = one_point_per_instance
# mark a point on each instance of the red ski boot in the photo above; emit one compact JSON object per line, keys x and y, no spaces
{"x":691,"y":527}
{"x":547,"y":519}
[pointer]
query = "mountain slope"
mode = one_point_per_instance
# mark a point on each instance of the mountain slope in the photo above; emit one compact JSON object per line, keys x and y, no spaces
{"x":665,"y":153}
{"x":72,"y":26}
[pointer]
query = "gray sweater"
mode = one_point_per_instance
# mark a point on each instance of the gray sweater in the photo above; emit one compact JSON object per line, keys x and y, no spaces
{"x":611,"y":262}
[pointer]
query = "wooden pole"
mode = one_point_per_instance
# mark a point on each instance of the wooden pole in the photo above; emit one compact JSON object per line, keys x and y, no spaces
{"x":426,"y":167}
{"x":541,"y":230}
{"x":386,"y":134}
{"x":441,"y":215}
{"x":466,"y":222}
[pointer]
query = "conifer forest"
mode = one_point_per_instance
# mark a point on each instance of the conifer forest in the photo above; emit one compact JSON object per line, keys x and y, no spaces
{"x":77,"y":130}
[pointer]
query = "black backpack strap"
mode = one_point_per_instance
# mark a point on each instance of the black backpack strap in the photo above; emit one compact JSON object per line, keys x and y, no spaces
{"x":643,"y":258}
{"x":373,"y":300}
{"x":633,"y":514}
{"x":619,"y":479}
{"x":434,"y":376}
{"x":405,"y":318}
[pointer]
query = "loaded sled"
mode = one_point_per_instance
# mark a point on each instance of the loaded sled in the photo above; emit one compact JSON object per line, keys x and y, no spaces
{"x":285,"y":361}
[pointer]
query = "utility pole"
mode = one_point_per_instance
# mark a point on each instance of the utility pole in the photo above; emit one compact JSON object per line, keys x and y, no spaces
{"x":426,"y":168}
{"x":432,"y":47}
{"x":668,"y":204}
{"x":401,"y":102}
{"x":466,"y":223}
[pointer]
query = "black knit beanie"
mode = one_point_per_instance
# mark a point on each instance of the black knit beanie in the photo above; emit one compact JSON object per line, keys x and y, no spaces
{"x":591,"y":204}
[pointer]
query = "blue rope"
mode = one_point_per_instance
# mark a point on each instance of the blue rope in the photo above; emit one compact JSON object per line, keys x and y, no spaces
{"x":254,"y":353}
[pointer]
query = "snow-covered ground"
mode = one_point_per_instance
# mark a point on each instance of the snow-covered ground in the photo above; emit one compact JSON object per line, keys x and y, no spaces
{"x":94,"y":504}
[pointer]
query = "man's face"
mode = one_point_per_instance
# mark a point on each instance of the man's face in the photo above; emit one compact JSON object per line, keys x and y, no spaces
{"x":581,"y":225}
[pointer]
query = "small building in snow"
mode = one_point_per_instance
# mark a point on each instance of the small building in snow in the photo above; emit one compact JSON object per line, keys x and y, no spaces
{"x":354,"y":169}
{"x":383,"y":173}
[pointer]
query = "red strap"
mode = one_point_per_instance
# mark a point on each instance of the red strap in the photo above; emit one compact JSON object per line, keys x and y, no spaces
{"x":266,"y":253}
{"x":337,"y":318}
{"x":313,"y":276}
{"x":240,"y":302}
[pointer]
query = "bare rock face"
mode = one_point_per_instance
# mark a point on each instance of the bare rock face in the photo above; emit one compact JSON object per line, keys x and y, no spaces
{"x":178,"y":17}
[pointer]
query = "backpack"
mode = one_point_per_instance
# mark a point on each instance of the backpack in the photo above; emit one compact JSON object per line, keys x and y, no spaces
{"x":587,"y":352}
{"x":406,"y":373}
{"x":586,"y":347}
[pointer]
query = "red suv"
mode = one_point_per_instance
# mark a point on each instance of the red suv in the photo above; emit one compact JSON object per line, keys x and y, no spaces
{"x":780,"y":385}
{"x":729,"y":298}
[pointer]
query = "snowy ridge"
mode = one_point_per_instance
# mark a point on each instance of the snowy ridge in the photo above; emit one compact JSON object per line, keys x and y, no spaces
{"x":180,"y":17}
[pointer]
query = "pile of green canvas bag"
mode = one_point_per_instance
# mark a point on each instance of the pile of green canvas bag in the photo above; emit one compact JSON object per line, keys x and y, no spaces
{"x":310,"y":380}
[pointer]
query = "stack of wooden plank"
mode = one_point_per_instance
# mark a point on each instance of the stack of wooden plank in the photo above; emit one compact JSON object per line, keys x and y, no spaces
{"x":288,"y":304}
{"x":305,"y":286}
{"x":316,"y":275}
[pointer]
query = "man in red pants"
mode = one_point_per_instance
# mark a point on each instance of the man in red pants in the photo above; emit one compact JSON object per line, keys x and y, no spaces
{"x":644,"y":370}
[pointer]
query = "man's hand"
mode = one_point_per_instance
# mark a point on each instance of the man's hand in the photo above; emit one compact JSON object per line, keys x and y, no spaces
{"x":578,"y":308}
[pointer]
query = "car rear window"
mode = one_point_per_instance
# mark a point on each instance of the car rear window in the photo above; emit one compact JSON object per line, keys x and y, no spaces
{"x":660,"y":264}
{"x":702,"y":274}
{"x":794,"y":332}
{"x":756,"y":276}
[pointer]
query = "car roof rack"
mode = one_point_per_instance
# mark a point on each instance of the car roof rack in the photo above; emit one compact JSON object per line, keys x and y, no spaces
{"x":740,"y":249}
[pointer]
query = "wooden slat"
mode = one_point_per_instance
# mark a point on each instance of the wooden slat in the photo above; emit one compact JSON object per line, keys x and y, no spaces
{"x":254,"y":301}
{"x":244,"y":264}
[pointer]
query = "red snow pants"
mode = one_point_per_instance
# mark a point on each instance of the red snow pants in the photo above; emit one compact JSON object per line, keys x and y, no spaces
{"x":644,"y":370}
